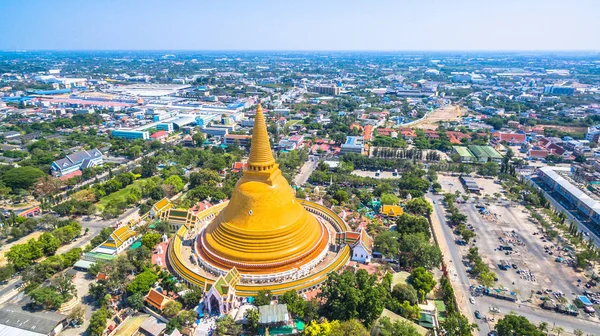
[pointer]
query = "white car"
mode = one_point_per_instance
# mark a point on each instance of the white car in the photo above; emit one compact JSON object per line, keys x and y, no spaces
{"x":472,"y":300}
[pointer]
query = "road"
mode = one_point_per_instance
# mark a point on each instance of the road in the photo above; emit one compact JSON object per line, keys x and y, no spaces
{"x":461,"y":283}
{"x":307,"y":168}
{"x":456,"y":270}
{"x":10,"y":289}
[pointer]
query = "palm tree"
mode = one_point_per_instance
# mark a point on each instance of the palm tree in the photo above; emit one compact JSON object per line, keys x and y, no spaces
{"x":559,"y":330}
{"x":578,"y":332}
{"x":543,"y":326}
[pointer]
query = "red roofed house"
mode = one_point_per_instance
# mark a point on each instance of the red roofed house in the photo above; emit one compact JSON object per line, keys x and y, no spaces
{"x":432,"y":134}
{"x":385,"y":131}
{"x":157,"y":299}
{"x":160,"y":135}
{"x":368,"y":133}
{"x":408,"y":134}
{"x":538,"y":153}
{"x":239,"y":166}
{"x":512,"y":138}
{"x":70,"y":175}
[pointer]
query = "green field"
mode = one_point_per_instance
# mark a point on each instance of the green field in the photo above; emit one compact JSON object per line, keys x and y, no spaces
{"x":117,"y":195}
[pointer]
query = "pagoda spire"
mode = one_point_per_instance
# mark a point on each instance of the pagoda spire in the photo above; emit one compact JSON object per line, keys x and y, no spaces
{"x":261,"y":157}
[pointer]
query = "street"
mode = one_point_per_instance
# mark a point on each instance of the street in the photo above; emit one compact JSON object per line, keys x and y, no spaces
{"x":306,"y":170}
{"x":10,"y":289}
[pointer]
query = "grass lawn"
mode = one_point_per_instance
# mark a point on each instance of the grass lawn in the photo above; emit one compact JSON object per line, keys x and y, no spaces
{"x":117,"y":195}
{"x":290,"y":123}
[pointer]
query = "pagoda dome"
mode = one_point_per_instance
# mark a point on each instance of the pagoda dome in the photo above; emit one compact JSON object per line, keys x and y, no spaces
{"x":263,"y":227}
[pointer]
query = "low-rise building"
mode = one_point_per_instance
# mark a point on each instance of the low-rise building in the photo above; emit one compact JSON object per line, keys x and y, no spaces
{"x":464,"y":154}
{"x":485,"y":153}
{"x":240,"y":139}
{"x":130,"y":134}
{"x":77,"y":161}
{"x":353,"y":144}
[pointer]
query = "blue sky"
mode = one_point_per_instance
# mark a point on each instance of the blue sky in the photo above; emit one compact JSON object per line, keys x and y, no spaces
{"x":300,"y":24}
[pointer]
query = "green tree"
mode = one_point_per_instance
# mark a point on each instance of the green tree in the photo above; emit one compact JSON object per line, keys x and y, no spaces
{"x":6,"y":272}
{"x":398,"y":328}
{"x":205,"y":177}
{"x":409,"y":224}
{"x":226,"y":326}
{"x":136,"y":301}
{"x":22,"y":177}
{"x":98,"y":322}
{"x":263,"y":297}
{"x":151,"y":239}
{"x":198,"y":138}
{"x":252,"y":316}
{"x":172,"y":308}
{"x":341,"y":196}
{"x":422,"y":280}
{"x":142,"y":282}
{"x":516,"y":325}
{"x":47,"y":297}
{"x":295,"y":303}
{"x":387,"y":243}
{"x":389,"y":199}
{"x":458,"y":325}
{"x":351,"y":327}
{"x":175,"y":181}
{"x":415,"y":249}
{"x":49,"y":243}
{"x":405,"y":292}
{"x":419,"y":206}
{"x":134,"y":152}
{"x":192,"y":298}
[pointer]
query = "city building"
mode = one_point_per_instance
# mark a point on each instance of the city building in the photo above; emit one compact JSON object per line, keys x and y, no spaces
{"x":130,"y":134}
{"x":77,"y":161}
{"x":559,"y":90}
{"x":165,"y":127}
{"x":571,"y":196}
{"x":330,"y":90}
{"x":354,"y":144}
{"x":291,"y":143}
{"x":14,"y":320}
{"x":593,"y":133}
{"x":240,"y":139}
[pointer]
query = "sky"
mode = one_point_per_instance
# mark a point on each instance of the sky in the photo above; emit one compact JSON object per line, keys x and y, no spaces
{"x":396,"y":25}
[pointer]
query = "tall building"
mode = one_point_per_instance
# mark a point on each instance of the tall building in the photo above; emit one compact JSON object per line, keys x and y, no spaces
{"x":593,"y":133}
{"x":559,"y":90}
{"x":330,"y":90}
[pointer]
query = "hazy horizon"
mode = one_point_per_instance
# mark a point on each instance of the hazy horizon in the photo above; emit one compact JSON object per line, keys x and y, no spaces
{"x":302,"y":26}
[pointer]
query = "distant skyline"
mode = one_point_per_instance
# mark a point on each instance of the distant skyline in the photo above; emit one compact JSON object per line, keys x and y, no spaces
{"x":375,"y":25}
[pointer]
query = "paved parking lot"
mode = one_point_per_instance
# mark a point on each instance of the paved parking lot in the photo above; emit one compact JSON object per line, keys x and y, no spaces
{"x":511,"y":226}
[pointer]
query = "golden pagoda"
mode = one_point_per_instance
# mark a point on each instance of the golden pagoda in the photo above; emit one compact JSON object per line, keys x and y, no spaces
{"x":263,"y":228}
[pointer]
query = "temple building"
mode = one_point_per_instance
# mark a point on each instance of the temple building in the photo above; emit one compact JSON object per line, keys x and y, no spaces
{"x":263,"y":238}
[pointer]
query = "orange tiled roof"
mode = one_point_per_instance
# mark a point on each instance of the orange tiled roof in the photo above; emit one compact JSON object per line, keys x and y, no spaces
{"x":157,"y":299}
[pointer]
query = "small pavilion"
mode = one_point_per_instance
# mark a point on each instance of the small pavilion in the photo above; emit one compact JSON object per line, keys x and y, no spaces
{"x":221,"y":297}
